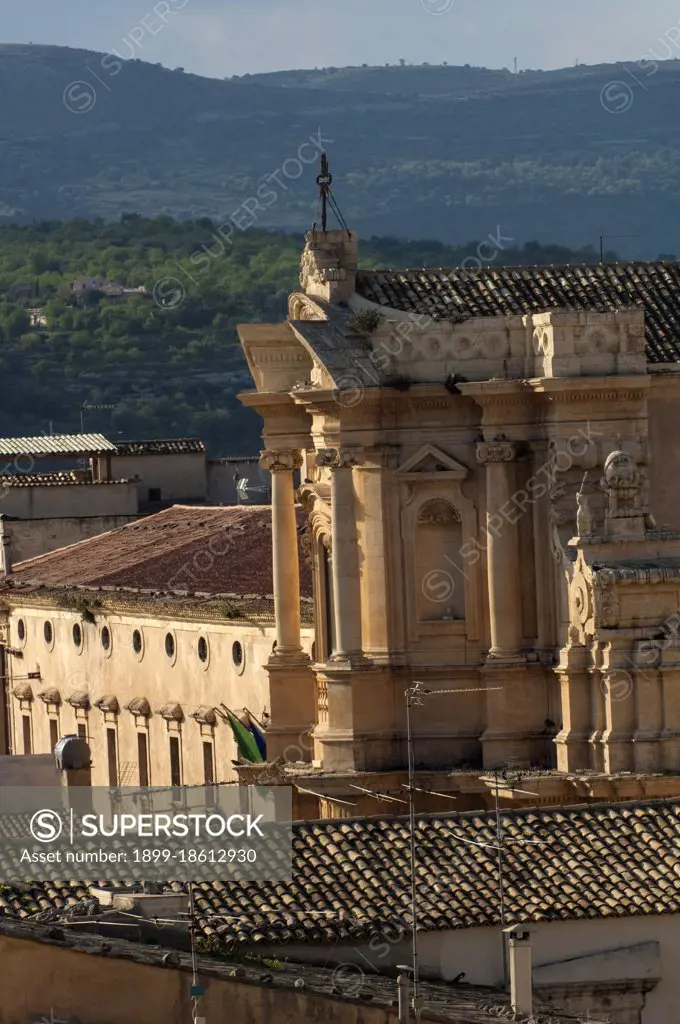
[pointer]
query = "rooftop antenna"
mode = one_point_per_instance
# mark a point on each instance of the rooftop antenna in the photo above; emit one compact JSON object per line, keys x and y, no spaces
{"x":602,"y":241}
{"x":324,"y":181}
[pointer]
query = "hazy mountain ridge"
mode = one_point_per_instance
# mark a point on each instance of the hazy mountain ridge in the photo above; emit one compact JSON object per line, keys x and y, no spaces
{"x":444,"y":152}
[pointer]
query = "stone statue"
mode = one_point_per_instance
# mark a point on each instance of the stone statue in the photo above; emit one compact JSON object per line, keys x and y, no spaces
{"x":627,"y":487}
{"x":585,"y":519}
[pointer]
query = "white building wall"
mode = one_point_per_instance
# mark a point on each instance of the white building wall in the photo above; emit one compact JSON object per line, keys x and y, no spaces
{"x":588,"y":953}
{"x":182,"y":679}
{"x":69,"y":500}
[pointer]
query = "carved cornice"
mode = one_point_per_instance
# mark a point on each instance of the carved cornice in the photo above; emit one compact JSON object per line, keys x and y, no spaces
{"x":281,"y":461}
{"x":496,"y":451}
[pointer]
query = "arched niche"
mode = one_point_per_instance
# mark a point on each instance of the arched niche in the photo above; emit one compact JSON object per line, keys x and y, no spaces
{"x":438,"y":541}
{"x":439,"y":524}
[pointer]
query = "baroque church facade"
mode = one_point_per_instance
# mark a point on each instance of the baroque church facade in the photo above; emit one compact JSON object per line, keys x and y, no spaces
{"x":483,"y":456}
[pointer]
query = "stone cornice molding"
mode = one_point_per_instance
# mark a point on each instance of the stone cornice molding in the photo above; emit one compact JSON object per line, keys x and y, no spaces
{"x":496,"y":451}
{"x":281,"y":461}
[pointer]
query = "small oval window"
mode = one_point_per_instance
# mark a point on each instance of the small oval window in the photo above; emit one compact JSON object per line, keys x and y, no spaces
{"x":77,"y":634}
{"x":136,"y":641}
{"x":237,"y":653}
{"x":170,"y":645}
{"x":106,"y":638}
{"x":21,"y":629}
{"x":202,"y":648}
{"x":47,"y":632}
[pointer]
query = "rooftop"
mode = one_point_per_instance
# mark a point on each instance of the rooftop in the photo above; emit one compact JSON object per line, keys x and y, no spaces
{"x":461,"y":293}
{"x":161,"y":446}
{"x":64,"y":478}
{"x":351,"y":877}
{"x":56,"y":444}
{"x":458,"y":1004}
{"x":225,"y":550}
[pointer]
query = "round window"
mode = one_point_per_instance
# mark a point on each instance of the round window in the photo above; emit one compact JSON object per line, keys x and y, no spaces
{"x":47,"y":632}
{"x":237,"y":653}
{"x":106,"y":637}
{"x":77,"y":634}
{"x":202,"y":648}
{"x":136,"y":641}
{"x":170,"y":645}
{"x":21,"y":629}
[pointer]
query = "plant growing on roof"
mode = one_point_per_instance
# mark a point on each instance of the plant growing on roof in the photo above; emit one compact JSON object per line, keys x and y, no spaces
{"x":228,"y":611}
{"x":86,"y":606}
{"x":365,"y":322}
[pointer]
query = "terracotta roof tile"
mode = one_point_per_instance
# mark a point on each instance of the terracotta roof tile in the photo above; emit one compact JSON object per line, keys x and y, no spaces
{"x":194,"y":549}
{"x":65,"y":478}
{"x":463,"y":293}
{"x":56,"y":444}
{"x":351,"y":879}
{"x":161,"y":446}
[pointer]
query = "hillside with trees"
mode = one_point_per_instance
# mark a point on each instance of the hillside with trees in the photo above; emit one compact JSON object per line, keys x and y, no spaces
{"x":165,"y":361}
{"x":435,"y":152}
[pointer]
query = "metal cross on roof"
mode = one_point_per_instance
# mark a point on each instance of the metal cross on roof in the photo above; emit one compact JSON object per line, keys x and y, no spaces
{"x":324,"y":181}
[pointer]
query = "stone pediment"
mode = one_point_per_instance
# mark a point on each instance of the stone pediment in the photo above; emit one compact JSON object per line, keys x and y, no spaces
{"x":430,"y":462}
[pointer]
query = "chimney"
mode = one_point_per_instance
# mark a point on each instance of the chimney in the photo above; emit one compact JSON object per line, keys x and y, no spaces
{"x":519,"y":945}
{"x":5,"y":547}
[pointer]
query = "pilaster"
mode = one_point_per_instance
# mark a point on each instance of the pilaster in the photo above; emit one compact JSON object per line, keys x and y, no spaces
{"x":505,"y":614}
{"x":291,"y":680}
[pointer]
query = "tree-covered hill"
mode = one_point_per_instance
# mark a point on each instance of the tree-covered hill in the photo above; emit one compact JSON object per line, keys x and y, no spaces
{"x":167,"y":362}
{"x":440,"y":152}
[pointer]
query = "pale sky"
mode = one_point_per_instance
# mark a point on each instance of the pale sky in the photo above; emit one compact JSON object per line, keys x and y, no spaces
{"x":219,"y":38}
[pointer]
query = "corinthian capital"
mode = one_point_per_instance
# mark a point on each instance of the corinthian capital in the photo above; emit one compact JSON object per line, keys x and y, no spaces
{"x":496,"y":451}
{"x":338,"y":458}
{"x":281,"y":461}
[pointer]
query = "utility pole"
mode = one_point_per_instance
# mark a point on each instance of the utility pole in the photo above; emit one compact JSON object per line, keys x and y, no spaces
{"x":414,"y":698}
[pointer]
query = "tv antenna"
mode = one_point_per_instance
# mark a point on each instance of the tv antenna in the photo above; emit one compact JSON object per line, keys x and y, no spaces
{"x":608,"y":237}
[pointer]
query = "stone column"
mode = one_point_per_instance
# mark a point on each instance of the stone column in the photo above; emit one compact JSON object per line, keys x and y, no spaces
{"x":345,"y":562}
{"x":286,"y":566}
{"x":503,"y":568}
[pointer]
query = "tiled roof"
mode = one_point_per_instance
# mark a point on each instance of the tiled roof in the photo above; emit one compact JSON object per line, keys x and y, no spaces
{"x":162,"y":446}
{"x":56,"y":444}
{"x":584,"y":862}
{"x":463,"y":293}
{"x":195,"y":549}
{"x":351,"y":878}
{"x":66,"y":478}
